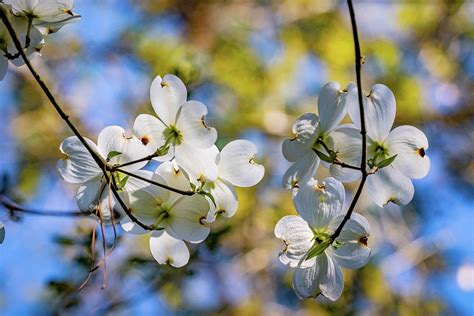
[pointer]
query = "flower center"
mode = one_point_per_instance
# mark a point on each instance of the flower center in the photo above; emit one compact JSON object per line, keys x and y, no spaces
{"x":173,"y":135}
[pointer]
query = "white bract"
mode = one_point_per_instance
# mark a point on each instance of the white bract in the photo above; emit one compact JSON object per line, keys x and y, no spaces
{"x":48,"y":15}
{"x":406,"y":144}
{"x":175,"y":217}
{"x":8,"y":50}
{"x":236,"y":167}
{"x":310,"y":131}
{"x":179,"y":129}
{"x":307,"y":238}
{"x":78,"y":167}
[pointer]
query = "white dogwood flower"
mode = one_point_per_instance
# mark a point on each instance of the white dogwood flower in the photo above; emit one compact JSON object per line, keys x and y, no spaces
{"x":307,"y":240}
{"x":237,"y":167}
{"x":179,"y":129}
{"x":8,"y":51}
{"x":49,"y":15}
{"x":407,"y":145}
{"x":309,"y":131}
{"x":182,"y":217}
{"x":78,"y":167}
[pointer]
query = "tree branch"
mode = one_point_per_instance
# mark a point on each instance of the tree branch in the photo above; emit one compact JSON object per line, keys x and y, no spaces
{"x":161,"y":185}
{"x":99,"y":161}
{"x":13,"y":207}
{"x":363,"y":132}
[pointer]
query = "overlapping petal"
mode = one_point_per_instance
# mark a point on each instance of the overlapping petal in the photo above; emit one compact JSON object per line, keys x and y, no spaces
{"x":191,"y":122}
{"x":331,"y":106}
{"x":410,"y":145}
{"x":237,"y":165}
{"x":301,"y":170}
{"x":168,"y":250}
{"x":225,"y":198}
{"x":353,"y":252}
{"x":320,"y":202}
{"x":390,"y":185}
{"x":77,"y":166}
{"x":199,"y":164}
{"x":114,"y":139}
{"x":346,"y":141}
{"x":298,"y":239}
{"x":305,"y":134}
{"x":379,"y":108}
{"x":167,"y":95}
{"x":186,"y":219}
{"x":149,"y":130}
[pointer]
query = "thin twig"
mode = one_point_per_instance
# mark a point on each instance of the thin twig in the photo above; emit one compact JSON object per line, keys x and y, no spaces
{"x":161,"y":185}
{"x":13,"y":207}
{"x":147,"y":158}
{"x":363,"y":132}
{"x":65,"y":117}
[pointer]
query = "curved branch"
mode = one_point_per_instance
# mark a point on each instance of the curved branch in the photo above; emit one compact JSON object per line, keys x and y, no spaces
{"x":363,"y":131}
{"x":65,"y":117}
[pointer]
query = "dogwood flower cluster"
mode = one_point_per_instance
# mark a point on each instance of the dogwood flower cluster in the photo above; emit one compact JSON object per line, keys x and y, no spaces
{"x":309,"y":249}
{"x":312,"y":246}
{"x":181,"y":198}
{"x":394,"y":157}
{"x":32,"y":21}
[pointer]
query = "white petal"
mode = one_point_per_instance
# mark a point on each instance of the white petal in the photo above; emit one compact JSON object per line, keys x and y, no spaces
{"x":77,"y":166}
{"x":2,"y":233}
{"x":168,"y":250}
{"x":3,"y":67}
{"x":167,"y":95}
{"x":186,"y":219}
{"x":149,"y":130}
{"x":199,"y":164}
{"x":333,"y":283}
{"x":300,"y":171}
{"x":390,"y":185}
{"x":305,"y":132}
{"x":237,"y":165}
{"x":297,"y":237}
{"x":114,"y":138}
{"x":320,"y":202}
{"x":379,"y":108}
{"x":353,"y":253}
{"x":146,"y":201}
{"x":307,"y":281}
{"x":347,"y":143}
{"x":52,"y":8}
{"x":174,"y":177}
{"x":331,"y":106}
{"x":410,"y":145}
{"x":225,"y":198}
{"x":191,"y":123}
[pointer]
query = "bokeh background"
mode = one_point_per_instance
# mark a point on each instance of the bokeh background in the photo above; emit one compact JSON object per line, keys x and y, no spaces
{"x":257,"y":65}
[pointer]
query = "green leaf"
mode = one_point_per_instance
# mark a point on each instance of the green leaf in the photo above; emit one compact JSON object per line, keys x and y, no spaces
{"x":386,"y":162}
{"x":325,"y":157}
{"x":112,"y":154}
{"x":122,"y":183}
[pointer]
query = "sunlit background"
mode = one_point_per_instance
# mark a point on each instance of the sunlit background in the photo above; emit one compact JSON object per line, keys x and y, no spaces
{"x":257,"y":65}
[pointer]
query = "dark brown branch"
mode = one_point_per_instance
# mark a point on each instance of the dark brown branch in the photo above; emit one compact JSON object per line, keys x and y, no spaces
{"x":13,"y":207}
{"x":363,"y":132}
{"x":65,"y":117}
{"x":161,"y":185}
{"x":147,"y":158}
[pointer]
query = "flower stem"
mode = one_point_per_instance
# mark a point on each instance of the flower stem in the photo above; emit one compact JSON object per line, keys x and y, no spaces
{"x":363,"y":131}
